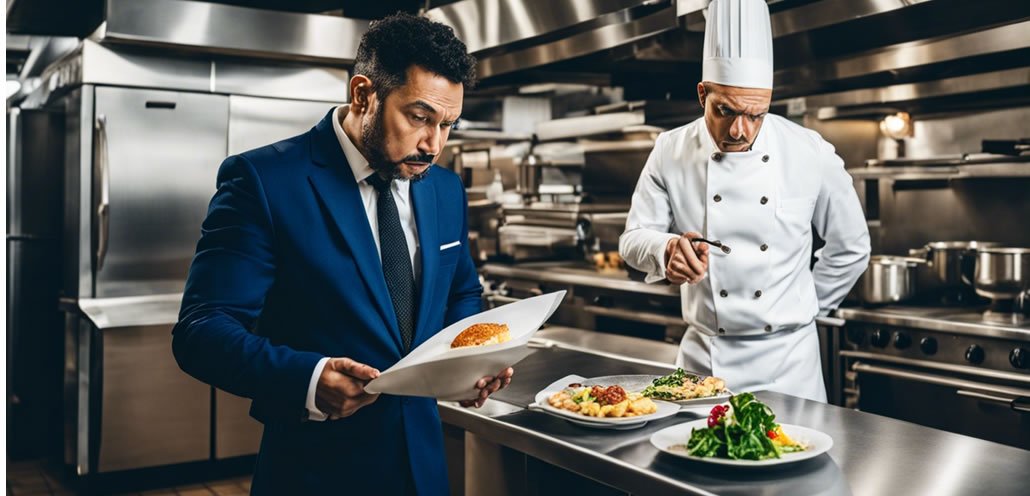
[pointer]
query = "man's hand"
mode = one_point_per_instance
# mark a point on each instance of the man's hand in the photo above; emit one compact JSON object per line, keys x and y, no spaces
{"x":489,"y":385}
{"x":686,"y":262}
{"x":341,"y":387}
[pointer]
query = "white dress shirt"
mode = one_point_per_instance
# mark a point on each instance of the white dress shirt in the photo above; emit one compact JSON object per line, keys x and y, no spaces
{"x":401,"y":194}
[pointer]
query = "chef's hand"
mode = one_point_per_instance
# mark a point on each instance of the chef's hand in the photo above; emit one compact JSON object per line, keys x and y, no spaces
{"x":686,"y":262}
{"x":489,"y":385}
{"x":341,"y":387}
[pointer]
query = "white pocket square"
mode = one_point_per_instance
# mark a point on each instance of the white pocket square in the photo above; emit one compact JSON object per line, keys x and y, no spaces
{"x":449,"y":245}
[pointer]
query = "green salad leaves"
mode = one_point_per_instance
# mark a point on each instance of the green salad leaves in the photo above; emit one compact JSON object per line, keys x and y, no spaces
{"x":744,"y":432}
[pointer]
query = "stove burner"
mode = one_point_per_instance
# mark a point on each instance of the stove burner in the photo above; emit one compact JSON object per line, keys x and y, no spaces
{"x":1006,"y":311}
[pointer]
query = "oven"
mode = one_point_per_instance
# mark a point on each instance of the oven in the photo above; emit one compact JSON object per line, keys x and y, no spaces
{"x":946,"y":372}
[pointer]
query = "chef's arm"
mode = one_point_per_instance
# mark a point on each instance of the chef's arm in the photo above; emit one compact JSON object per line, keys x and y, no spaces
{"x":839,"y":220}
{"x":647,"y":234}
{"x":466,"y":293}
{"x":232,"y":271}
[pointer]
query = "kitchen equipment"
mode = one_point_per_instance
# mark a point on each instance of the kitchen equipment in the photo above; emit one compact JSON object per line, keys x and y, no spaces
{"x":1003,"y":275}
{"x":34,"y":323}
{"x":950,"y":368}
{"x":888,"y":279}
{"x":951,"y":265}
{"x":139,"y":170}
{"x":1007,"y":147}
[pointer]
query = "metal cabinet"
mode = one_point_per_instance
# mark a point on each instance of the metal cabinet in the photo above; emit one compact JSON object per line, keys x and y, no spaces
{"x":156,"y":155}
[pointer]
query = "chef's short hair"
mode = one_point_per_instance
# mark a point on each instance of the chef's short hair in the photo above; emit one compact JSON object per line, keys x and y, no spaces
{"x":397,"y":42}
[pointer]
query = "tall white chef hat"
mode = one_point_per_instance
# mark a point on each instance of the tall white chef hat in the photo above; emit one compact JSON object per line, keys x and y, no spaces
{"x":738,"y":44}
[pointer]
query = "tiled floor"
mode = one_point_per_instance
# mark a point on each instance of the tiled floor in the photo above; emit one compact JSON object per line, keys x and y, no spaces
{"x":40,"y":478}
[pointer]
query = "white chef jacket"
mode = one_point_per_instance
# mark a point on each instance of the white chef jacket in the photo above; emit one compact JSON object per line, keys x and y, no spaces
{"x":401,"y":189}
{"x":751,"y":319}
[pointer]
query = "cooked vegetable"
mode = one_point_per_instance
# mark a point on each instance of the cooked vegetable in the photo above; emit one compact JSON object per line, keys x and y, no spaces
{"x":745,"y":431}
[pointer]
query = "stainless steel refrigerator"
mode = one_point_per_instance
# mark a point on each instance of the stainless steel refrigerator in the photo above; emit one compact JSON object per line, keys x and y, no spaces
{"x":139,"y":171}
{"x":35,"y":154}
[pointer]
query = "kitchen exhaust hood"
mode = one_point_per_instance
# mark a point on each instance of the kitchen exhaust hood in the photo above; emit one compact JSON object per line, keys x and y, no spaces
{"x":653,"y":47}
{"x":206,"y":27}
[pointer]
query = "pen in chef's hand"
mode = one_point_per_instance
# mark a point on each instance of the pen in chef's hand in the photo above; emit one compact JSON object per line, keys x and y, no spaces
{"x":716,"y":243}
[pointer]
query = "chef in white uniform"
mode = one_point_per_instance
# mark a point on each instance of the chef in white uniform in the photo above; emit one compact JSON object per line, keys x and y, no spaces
{"x":758,"y":183}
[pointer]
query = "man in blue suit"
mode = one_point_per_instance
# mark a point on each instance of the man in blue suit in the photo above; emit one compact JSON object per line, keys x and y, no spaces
{"x":350,"y":248}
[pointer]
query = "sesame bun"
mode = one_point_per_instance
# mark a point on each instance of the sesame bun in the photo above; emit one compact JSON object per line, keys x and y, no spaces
{"x":482,"y":335}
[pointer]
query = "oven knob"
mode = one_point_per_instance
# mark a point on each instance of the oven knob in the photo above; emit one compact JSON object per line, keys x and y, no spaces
{"x":901,"y":341}
{"x":1020,"y":358}
{"x":880,"y":338}
{"x":975,"y":354}
{"x":928,"y":345}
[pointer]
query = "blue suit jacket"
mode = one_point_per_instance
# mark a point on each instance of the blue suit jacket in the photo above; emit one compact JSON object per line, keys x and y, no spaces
{"x":287,"y":240}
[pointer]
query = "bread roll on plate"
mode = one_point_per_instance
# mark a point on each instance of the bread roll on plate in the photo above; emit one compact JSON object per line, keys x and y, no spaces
{"x":482,"y":335}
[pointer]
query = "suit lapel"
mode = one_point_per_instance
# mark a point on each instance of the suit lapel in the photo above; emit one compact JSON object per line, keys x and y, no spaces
{"x":335,"y":186}
{"x":423,"y":195}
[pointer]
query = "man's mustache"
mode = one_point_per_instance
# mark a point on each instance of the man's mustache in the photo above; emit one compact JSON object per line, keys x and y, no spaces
{"x":422,"y":158}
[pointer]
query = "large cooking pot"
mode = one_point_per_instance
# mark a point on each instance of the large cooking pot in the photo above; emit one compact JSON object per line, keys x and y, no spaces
{"x":951,"y":262}
{"x":1003,"y":273}
{"x":889,"y":279}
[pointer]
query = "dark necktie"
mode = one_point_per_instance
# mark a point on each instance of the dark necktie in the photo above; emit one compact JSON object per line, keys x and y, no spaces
{"x":393,"y":246}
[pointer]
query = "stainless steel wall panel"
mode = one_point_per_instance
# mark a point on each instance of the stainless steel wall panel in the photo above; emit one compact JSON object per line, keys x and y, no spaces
{"x":281,"y":81}
{"x":153,"y":413}
{"x":163,"y":150}
{"x":255,"y":122}
{"x":101,"y":65}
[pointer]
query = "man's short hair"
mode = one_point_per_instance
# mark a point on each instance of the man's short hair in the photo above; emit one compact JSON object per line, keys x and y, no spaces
{"x":397,"y":42}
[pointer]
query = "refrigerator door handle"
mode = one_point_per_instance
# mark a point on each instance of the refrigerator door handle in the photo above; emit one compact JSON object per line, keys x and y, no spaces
{"x":104,"y":206}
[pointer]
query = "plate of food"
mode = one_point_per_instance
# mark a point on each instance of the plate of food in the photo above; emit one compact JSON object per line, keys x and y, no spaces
{"x":602,"y":404}
{"x":448,"y":364}
{"x":686,"y":389}
{"x":742,"y":433}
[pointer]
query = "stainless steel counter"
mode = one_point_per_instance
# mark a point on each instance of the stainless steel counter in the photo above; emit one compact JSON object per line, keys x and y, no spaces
{"x":871,"y":454}
{"x":578,"y":274}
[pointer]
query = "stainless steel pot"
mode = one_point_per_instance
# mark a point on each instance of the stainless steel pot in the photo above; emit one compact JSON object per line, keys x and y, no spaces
{"x":952,"y":262}
{"x":1003,"y":273}
{"x":889,"y":279}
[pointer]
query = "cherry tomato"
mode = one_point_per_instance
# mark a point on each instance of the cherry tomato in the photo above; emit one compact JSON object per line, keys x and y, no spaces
{"x":771,"y":434}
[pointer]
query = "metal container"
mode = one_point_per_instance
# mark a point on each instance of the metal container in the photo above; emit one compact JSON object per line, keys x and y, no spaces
{"x":888,"y":279}
{"x":952,"y":262}
{"x":1003,"y":273}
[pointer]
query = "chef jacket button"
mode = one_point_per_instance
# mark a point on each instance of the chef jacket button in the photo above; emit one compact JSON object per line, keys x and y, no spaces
{"x":724,"y":293}
{"x":763,"y":247}
{"x":768,"y":328}
{"x":758,"y":294}
{"x":717,"y":156}
{"x":764,"y":200}
{"x":722,"y":331}
{"x":717,"y":198}
{"x":765,"y":158}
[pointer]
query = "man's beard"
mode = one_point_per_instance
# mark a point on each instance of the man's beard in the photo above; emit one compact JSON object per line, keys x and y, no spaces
{"x":373,"y":140}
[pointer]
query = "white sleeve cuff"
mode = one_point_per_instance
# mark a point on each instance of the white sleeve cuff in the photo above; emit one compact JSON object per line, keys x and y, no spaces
{"x":658,"y":256}
{"x":313,"y":412}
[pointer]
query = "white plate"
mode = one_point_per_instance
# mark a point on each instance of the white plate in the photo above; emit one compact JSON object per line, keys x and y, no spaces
{"x":637,"y":383}
{"x":435,"y":370}
{"x":665,"y":409}
{"x":673,"y":440}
